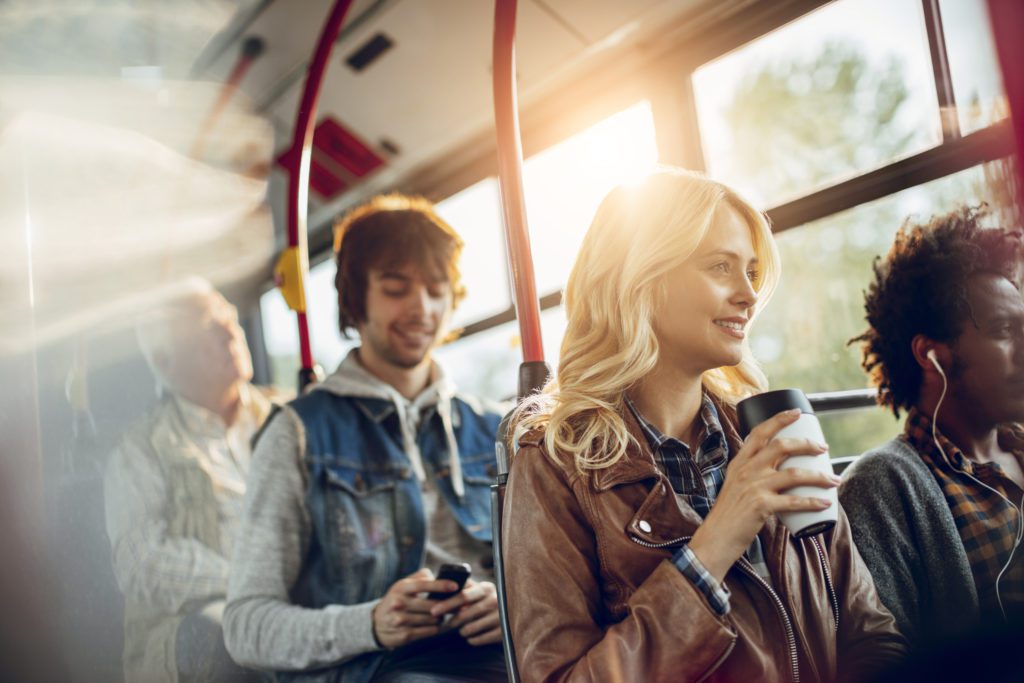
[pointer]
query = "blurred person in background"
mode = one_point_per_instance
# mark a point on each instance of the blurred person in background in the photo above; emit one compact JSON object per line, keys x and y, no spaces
{"x":174,"y":489}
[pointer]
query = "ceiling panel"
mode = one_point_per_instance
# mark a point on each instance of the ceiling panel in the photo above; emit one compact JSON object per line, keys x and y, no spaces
{"x":290,"y":31}
{"x":441,"y":58}
{"x":431,"y":91}
{"x":596,"y":19}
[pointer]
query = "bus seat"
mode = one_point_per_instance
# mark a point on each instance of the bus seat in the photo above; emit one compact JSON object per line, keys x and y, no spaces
{"x":497,"y":504}
{"x":118,"y":390}
{"x":501,"y":453}
{"x":839,"y":465}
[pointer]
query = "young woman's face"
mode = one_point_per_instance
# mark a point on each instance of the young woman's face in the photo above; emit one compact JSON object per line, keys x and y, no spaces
{"x":701,"y":321}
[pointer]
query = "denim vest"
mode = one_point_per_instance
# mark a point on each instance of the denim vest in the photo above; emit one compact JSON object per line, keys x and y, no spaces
{"x":365,"y":503}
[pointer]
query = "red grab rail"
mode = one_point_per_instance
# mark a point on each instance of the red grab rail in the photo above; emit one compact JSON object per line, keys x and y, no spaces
{"x":293,"y":264}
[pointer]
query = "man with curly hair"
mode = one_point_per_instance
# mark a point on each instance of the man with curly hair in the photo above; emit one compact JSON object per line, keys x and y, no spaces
{"x":936,"y":512}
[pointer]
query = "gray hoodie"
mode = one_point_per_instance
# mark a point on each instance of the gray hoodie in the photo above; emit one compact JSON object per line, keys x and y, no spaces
{"x":353,"y":380}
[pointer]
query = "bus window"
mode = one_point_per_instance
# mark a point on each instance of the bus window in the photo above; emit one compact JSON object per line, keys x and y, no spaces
{"x":564,"y":184}
{"x":840,"y":91}
{"x":483,"y":266}
{"x":281,"y":338}
{"x":801,"y":337}
{"x":973,"y":64}
{"x":487,"y":363}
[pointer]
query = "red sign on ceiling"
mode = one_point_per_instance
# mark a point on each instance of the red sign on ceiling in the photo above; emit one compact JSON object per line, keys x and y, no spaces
{"x":344,"y":148}
{"x":338,"y":158}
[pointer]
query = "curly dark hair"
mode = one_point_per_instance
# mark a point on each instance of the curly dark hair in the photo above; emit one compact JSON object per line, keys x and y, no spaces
{"x":921,"y":288}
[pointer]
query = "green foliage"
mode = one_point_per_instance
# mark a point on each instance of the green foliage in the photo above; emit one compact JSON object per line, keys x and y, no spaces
{"x":799,"y":123}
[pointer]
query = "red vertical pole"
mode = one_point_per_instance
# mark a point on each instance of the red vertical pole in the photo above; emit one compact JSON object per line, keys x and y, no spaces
{"x":510,"y":175}
{"x":298,"y":186}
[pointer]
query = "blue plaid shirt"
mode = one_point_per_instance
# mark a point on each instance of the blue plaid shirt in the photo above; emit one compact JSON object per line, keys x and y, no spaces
{"x":696,"y":480}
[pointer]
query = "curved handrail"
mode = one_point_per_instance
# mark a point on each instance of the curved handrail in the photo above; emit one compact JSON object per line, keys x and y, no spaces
{"x":293,"y":265}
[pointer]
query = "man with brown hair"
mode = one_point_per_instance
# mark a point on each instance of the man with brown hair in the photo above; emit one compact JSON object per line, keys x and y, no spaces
{"x":376,"y":476}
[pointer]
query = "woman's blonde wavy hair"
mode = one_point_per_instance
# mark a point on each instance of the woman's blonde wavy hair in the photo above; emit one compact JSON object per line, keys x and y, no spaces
{"x":638,"y":235}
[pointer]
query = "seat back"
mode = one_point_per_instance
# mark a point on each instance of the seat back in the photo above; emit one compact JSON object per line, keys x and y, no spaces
{"x":502,"y":444}
{"x":533,"y":375}
{"x":497,"y":503}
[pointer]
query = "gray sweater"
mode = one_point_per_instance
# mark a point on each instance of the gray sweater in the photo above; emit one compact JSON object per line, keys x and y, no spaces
{"x":905,"y":531}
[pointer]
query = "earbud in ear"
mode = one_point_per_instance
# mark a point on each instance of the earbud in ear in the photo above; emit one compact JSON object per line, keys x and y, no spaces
{"x":935,"y":361}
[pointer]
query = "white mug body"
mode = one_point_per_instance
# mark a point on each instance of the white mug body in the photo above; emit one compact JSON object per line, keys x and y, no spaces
{"x":809,"y":523}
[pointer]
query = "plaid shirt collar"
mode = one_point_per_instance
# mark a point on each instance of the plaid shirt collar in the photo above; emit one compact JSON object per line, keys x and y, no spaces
{"x":697,"y":479}
{"x":918,"y":432}
{"x":711,"y":442}
{"x":986,"y":521}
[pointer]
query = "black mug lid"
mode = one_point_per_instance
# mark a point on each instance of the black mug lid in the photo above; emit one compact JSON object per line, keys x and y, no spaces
{"x":756,"y":409}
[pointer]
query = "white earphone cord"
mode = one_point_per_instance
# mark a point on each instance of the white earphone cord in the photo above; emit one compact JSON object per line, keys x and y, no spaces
{"x":1019,"y":510}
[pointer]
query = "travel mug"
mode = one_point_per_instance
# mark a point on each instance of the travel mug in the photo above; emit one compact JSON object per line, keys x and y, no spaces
{"x":755,"y":410}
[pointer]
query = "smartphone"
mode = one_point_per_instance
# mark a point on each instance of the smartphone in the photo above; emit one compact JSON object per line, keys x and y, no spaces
{"x":458,"y":573}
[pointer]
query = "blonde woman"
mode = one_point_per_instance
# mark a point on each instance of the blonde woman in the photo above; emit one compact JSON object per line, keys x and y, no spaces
{"x":640,"y":532}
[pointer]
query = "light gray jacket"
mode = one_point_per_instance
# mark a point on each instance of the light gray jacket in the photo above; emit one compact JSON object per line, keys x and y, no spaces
{"x":166,"y":533}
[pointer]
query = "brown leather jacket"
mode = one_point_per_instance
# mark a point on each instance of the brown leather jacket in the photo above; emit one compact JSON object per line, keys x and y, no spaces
{"x":594,"y":596}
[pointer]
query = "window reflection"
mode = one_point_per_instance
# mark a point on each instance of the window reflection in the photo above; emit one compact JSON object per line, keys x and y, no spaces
{"x":487,"y":363}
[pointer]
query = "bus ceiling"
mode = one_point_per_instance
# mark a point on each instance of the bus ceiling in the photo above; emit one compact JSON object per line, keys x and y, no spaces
{"x":406,"y":96}
{"x":406,"y":103}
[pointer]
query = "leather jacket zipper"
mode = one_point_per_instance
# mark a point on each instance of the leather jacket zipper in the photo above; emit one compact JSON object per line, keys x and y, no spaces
{"x":794,"y":657}
{"x":833,"y":600}
{"x":666,"y":544}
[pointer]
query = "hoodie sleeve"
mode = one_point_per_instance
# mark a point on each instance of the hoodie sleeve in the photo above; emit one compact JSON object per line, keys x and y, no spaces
{"x":262,"y":628}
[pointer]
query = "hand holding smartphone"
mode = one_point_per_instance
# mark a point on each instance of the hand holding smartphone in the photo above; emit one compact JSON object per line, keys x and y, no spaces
{"x":459,"y":573}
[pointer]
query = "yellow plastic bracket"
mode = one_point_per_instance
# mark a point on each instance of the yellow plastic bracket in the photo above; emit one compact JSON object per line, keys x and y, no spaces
{"x":288,"y":276}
